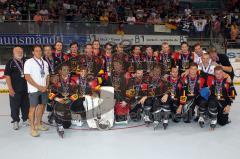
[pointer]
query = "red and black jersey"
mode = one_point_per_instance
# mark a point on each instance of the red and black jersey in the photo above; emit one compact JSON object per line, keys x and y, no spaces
{"x":149,"y":62}
{"x":83,"y":84}
{"x":135,"y":89}
{"x":183,"y":60}
{"x":107,"y":63}
{"x":59,"y":56}
{"x":66,"y":86}
{"x":93,"y":63}
{"x":176,"y":87}
{"x":167,"y":61}
{"x":121,"y":57}
{"x":220,"y":89}
{"x":157,"y":87}
{"x":97,"y":52}
{"x":137,"y":61}
{"x":70,"y":56}
{"x":192,"y":86}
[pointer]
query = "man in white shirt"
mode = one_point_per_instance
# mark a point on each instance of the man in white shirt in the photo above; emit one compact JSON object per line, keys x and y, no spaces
{"x":207,"y":65}
{"x":131,"y":19}
{"x":37,"y":76}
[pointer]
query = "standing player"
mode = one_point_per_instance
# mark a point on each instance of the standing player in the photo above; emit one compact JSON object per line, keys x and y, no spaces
{"x":184,"y":58}
{"x":58,"y":51}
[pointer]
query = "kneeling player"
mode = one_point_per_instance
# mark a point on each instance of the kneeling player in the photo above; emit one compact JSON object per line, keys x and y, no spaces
{"x":176,"y":91}
{"x":219,"y":101}
{"x":157,"y":103}
{"x":64,"y":95}
{"x":192,"y":85}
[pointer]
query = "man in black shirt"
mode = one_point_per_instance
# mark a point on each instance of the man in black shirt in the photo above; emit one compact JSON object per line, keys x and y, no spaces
{"x":223,"y":61}
{"x":17,"y":86}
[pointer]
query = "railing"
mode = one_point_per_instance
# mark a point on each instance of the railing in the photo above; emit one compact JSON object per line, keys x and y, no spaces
{"x":23,"y":27}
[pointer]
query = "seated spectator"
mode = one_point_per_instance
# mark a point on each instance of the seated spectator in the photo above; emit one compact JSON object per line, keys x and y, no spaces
{"x":150,"y":19}
{"x":139,"y":20}
{"x":234,"y":32}
{"x":140,"y":12}
{"x":38,"y":18}
{"x":104,"y":18}
{"x":44,"y":13}
{"x":14,"y":14}
{"x":53,"y":15}
{"x":2,"y":16}
{"x":216,"y":28}
{"x":157,"y":19}
{"x":66,"y":5}
{"x":74,"y":6}
{"x":120,"y":30}
{"x":113,"y":17}
{"x":188,"y":11}
{"x":121,"y":11}
{"x":131,"y":19}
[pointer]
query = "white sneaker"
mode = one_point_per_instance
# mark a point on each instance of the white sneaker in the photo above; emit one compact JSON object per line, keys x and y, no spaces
{"x":165,"y":121}
{"x":201,"y":119}
{"x":214,"y":122}
{"x":73,"y":122}
{"x":77,"y":123}
{"x":15,"y":125}
{"x":156,"y":122}
{"x":25,"y":123}
{"x":146,"y":118}
{"x":60,"y":128}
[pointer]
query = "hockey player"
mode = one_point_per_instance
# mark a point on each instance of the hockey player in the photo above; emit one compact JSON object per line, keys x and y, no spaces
{"x":192,"y":84}
{"x":150,"y":60}
{"x":157,"y":102}
{"x":176,"y":88}
{"x":119,"y":83}
{"x":77,"y":109}
{"x":137,"y":59}
{"x":167,"y":59}
{"x":64,"y":94}
{"x":136,"y":89}
{"x":120,"y":55}
{"x":58,"y":51}
{"x":183,"y":58}
{"x":219,"y":101}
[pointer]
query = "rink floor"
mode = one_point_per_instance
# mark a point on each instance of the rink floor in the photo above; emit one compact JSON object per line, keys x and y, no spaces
{"x":179,"y":141}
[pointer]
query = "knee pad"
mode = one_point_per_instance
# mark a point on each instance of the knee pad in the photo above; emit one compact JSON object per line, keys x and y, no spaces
{"x":147,"y":110}
{"x":202,"y":110}
{"x":212,"y":109}
{"x":165,"y":107}
{"x":157,"y":115}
